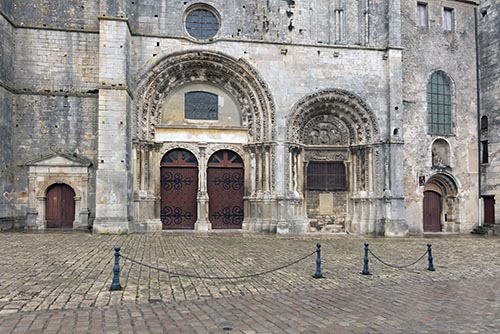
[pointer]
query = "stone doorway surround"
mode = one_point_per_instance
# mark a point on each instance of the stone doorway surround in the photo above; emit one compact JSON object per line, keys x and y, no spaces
{"x":445,"y":184}
{"x":57,"y":168}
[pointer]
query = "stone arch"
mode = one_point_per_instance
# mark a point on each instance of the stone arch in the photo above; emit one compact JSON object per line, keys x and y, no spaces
{"x":167,"y":147}
{"x":219,"y":147}
{"x":450,"y":79}
{"x":442,"y":183}
{"x":335,"y":105}
{"x":42,"y":190}
{"x":236,"y":76}
{"x":447,"y":187}
{"x":346,"y":128}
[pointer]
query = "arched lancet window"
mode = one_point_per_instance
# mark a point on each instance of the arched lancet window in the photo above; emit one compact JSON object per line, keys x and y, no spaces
{"x":201,"y":105}
{"x":439,"y":118}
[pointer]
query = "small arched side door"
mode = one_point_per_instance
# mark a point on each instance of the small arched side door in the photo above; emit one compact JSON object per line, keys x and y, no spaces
{"x":60,"y":206}
{"x":432,"y":211}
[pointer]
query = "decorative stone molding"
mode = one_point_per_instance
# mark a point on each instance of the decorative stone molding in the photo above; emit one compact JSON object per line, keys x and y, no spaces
{"x":211,"y":149}
{"x":237,"y":77}
{"x":344,"y":111}
{"x":57,"y":168}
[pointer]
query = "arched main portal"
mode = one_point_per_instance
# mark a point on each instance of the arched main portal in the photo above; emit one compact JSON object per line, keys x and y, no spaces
{"x":179,"y":187}
{"x":225,"y":184}
{"x":60,"y":206}
{"x":332,"y":157}
{"x":246,"y":119}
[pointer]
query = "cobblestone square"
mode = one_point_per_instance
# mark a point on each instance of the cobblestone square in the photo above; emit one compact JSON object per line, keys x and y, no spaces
{"x":58,"y":282}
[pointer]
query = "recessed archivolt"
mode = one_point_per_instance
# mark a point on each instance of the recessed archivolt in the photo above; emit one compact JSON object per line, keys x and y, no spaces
{"x":237,"y":77}
{"x":44,"y":187}
{"x":167,"y":147}
{"x":214,"y":148}
{"x":347,"y":108}
{"x":446,"y":183}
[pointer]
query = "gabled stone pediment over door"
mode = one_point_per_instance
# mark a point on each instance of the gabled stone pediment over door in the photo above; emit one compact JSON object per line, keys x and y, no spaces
{"x":59,"y":160}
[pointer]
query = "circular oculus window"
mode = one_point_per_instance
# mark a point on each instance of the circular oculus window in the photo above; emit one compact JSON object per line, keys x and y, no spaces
{"x":202,"y":23}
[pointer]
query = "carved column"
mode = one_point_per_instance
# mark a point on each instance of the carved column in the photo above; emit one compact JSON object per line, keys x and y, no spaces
{"x":267,"y":170}
{"x":203,"y":222}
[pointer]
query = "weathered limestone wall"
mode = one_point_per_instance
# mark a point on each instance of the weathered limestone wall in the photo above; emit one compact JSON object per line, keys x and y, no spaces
{"x":7,"y":46}
{"x":56,"y":74}
{"x":6,"y":8}
{"x":49,"y":61}
{"x":425,"y":51}
{"x":291,"y":76}
{"x":80,"y":15}
{"x":310,"y":22}
{"x":489,"y":42}
{"x":45,"y":124}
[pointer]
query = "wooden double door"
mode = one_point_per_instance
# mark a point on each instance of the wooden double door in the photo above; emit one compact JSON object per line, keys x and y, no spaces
{"x":179,"y":190}
{"x":60,"y":206}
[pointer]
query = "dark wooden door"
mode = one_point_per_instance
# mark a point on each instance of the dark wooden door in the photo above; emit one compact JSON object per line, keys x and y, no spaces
{"x":432,"y":211}
{"x":179,"y":188}
{"x":60,"y":206}
{"x":489,"y":210}
{"x":225,"y":187}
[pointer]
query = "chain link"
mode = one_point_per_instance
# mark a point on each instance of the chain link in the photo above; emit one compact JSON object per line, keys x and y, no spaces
{"x":398,"y":266}
{"x":175,"y":274}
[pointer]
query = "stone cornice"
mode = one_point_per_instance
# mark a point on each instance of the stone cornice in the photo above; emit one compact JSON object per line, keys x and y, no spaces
{"x":90,"y":93}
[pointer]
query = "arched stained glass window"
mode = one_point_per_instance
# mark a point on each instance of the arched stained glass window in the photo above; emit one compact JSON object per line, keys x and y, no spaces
{"x":201,"y":105}
{"x":202,"y":23}
{"x":439,"y":120}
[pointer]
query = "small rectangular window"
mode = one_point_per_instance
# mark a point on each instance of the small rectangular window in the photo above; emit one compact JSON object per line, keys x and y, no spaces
{"x":201,"y":105}
{"x":326,"y":176}
{"x":422,"y":15}
{"x":448,"y":19}
{"x":484,"y":158}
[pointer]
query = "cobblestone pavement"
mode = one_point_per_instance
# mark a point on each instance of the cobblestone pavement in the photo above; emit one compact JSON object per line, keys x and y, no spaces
{"x":56,"y":282}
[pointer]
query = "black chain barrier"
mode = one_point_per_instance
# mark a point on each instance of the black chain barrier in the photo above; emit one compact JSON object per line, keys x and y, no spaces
{"x":398,"y":266}
{"x":366,"y":271}
{"x":115,"y":285}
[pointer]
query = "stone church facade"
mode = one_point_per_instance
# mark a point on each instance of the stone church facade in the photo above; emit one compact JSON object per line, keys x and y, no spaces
{"x":268,"y":116}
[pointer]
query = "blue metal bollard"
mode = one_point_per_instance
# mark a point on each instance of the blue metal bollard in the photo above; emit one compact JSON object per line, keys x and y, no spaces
{"x":366,"y":271}
{"x":115,"y":285}
{"x":431,"y":259}
{"x":318,"y":273}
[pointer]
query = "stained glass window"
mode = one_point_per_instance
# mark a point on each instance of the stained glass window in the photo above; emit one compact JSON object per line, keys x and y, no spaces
{"x":202,"y":24}
{"x":201,"y":105}
{"x":439,"y":104}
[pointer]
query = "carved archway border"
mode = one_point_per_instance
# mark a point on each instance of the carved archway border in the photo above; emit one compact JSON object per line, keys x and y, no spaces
{"x":167,"y":147}
{"x":446,"y":182}
{"x":349,"y":108}
{"x":44,"y":187}
{"x":214,"y":148}
{"x":237,"y":77}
